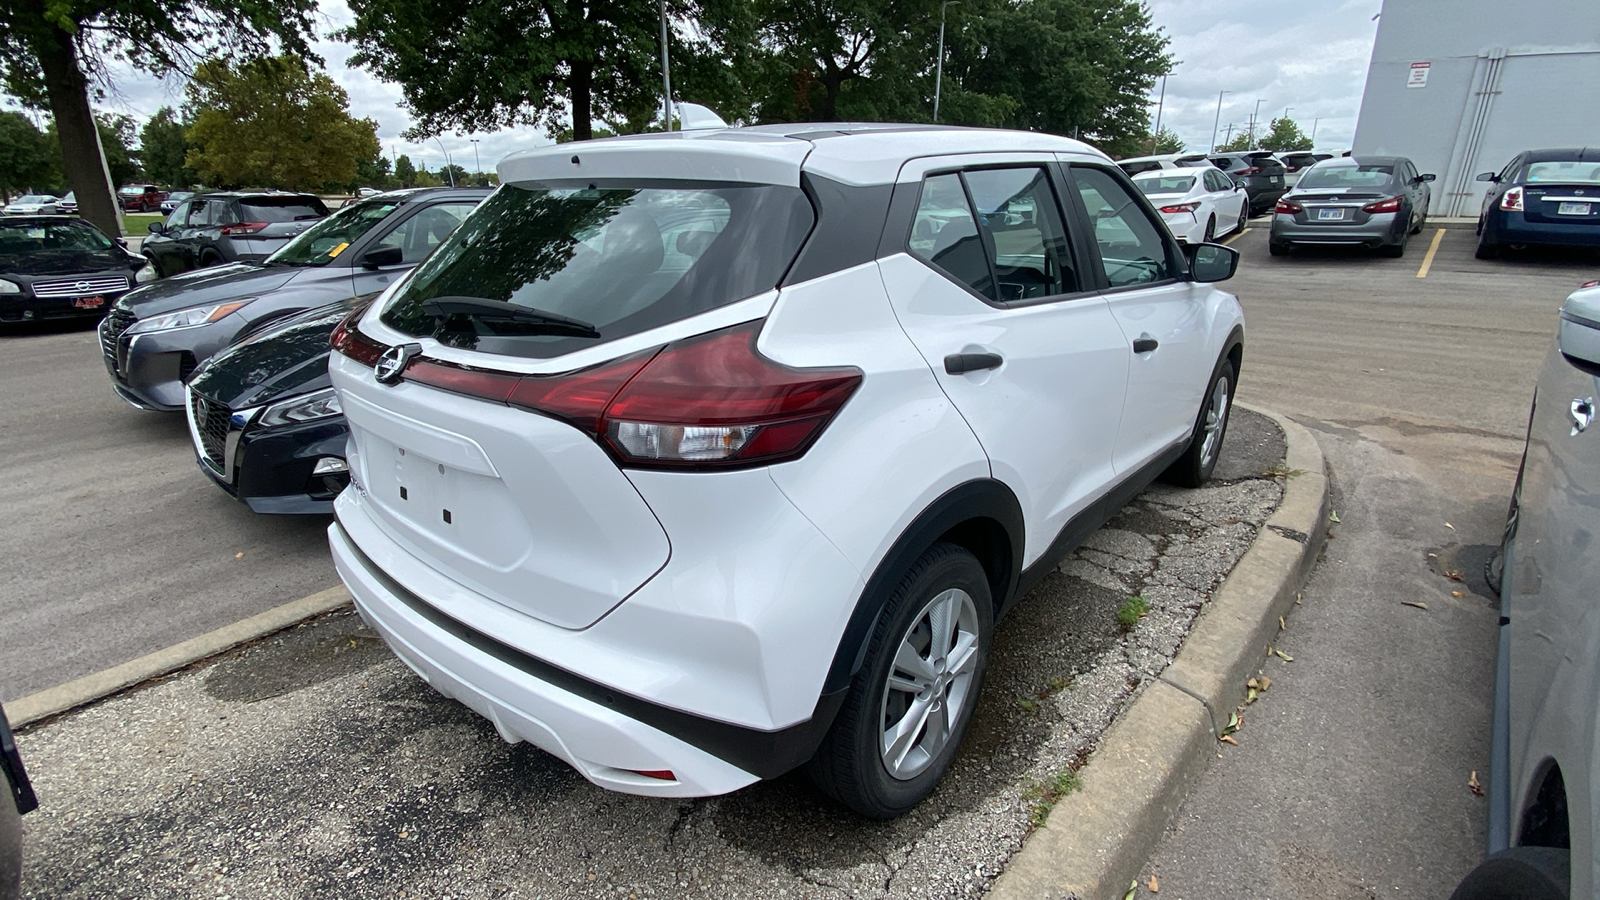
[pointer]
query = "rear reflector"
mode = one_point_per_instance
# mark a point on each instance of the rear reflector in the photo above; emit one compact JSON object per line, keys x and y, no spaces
{"x":1386,"y":205}
{"x":663,"y":774}
{"x":1512,"y":201}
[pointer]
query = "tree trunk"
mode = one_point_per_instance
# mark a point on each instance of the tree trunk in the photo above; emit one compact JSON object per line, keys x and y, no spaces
{"x":829,"y":111}
{"x":82,"y":157}
{"x":581,"y":84}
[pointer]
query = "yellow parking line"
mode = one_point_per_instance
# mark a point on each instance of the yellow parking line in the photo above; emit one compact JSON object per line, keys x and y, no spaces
{"x":1427,"y":261}
{"x":1236,"y":235}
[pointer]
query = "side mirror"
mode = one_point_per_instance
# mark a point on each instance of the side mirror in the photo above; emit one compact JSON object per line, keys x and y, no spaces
{"x":1579,"y":337}
{"x":122,"y":242}
{"x":1213,"y":262}
{"x":1425,"y":178}
{"x":157,"y":228}
{"x":383,"y":256}
{"x":1487,"y":176}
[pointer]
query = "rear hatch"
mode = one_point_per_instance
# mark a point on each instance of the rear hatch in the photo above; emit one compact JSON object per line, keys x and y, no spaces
{"x":268,"y":222}
{"x":506,"y":481}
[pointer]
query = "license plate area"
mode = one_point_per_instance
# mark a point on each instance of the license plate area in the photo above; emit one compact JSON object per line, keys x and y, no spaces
{"x":1330,"y":215}
{"x":1567,"y":208}
{"x":89,"y":302}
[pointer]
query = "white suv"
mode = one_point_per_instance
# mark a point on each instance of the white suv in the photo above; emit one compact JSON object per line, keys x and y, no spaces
{"x":695,"y":458}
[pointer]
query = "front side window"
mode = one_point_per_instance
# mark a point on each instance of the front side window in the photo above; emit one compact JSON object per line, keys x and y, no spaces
{"x":1132,"y":249}
{"x":417,"y":236}
{"x":542,"y":272}
{"x":323,"y":242}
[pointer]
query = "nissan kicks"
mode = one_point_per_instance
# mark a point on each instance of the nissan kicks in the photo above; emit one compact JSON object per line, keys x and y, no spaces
{"x":699,"y":457}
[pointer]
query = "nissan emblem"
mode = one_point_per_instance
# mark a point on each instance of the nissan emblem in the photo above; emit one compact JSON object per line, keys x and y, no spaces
{"x":393,"y":362}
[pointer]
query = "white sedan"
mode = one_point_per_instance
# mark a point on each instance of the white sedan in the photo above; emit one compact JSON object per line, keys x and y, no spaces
{"x":32,"y":205}
{"x":1197,"y":204}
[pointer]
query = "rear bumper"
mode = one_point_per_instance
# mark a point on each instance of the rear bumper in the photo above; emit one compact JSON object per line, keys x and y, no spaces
{"x":1185,"y":227}
{"x":1380,"y":229}
{"x":1505,"y":227}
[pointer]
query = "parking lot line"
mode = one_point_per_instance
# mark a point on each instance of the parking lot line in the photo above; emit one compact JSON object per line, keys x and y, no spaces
{"x":1427,"y":261}
{"x":1236,"y":236}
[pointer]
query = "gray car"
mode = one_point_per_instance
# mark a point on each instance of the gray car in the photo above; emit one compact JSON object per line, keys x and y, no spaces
{"x":156,"y":335}
{"x":1353,"y":201}
{"x":1544,"y":763}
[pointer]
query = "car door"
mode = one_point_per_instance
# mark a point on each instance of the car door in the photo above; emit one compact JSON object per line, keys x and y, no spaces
{"x":993,"y":295}
{"x":1224,"y":198}
{"x":415,"y":236}
{"x":1160,"y":312}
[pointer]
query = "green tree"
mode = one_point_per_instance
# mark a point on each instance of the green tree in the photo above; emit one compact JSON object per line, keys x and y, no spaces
{"x":374,"y":172}
{"x":163,"y":147}
{"x":1166,"y":141}
{"x":453,"y":174}
{"x":49,"y":50}
{"x":274,"y":122}
{"x":25,"y":160}
{"x":1285,"y":134}
{"x":1240,"y":141}
{"x":482,"y":65}
{"x":405,"y":173}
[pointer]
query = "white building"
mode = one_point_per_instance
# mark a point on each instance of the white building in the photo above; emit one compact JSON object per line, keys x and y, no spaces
{"x":1460,"y":86}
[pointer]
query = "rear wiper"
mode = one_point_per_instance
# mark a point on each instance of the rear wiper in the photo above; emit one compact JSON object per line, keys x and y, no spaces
{"x":484,"y":310}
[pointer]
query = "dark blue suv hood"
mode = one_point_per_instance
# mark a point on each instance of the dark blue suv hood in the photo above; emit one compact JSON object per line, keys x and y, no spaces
{"x":286,"y":360}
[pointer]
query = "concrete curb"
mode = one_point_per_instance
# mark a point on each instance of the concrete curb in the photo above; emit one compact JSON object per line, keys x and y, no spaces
{"x":102,"y":684}
{"x":1097,"y":838}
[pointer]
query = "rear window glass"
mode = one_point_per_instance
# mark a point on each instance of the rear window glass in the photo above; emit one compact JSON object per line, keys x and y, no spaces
{"x":284,"y":209}
{"x":1226,"y":164}
{"x":1165,"y":184}
{"x":598,"y":263}
{"x":1564,"y":172}
{"x":1134,"y":168}
{"x":1373,"y":176}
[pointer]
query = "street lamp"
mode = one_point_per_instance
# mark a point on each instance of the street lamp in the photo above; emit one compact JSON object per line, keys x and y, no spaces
{"x":449,"y":167}
{"x":1217,"y":121}
{"x":477,"y":167}
{"x":938,"y":77}
{"x":1314,"y":131}
{"x":1253,"y":116}
{"x":1155,"y":133}
{"x":666,"y":68}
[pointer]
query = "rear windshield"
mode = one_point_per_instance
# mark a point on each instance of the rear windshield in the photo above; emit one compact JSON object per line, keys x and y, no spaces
{"x":1373,"y":176}
{"x":598,"y":264}
{"x":1227,"y":163}
{"x":1563,"y":172}
{"x":1165,"y":184}
{"x":1134,"y":168}
{"x":281,"y":209}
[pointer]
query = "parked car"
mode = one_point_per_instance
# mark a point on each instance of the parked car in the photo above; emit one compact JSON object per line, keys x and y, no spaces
{"x":1541,"y":197}
{"x":1544,"y":768}
{"x":266,"y":425}
{"x":170,"y":204}
{"x":68,"y":205}
{"x":140,"y":198}
{"x":54,"y":267}
{"x":1136,"y":164}
{"x":19,"y":801}
{"x":156,"y":336}
{"x":1367,"y":201}
{"x":213,"y":229}
{"x":1295,"y":162}
{"x":1260,"y":173}
{"x":33,"y":205}
{"x":696,"y":461}
{"x":363,"y":193}
{"x":1194,"y":202}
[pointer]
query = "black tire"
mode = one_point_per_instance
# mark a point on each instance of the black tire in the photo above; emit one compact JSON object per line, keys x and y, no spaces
{"x":1421,"y":221}
{"x":1244,"y":218}
{"x":1486,"y":250}
{"x":1211,"y":230}
{"x":1397,"y":249}
{"x":209,"y":259}
{"x":849,"y":765}
{"x":1279,"y":248}
{"x":1521,"y":873}
{"x":1195,"y":466}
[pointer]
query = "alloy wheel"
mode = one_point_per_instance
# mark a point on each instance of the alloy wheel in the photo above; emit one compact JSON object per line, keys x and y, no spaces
{"x":1216,"y":419}
{"x":929,"y":685}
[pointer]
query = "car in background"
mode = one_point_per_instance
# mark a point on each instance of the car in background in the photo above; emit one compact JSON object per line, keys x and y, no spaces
{"x":1366,"y":201}
{"x":58,"y":267}
{"x":1259,"y":171}
{"x":364,"y":193}
{"x":142,"y":198}
{"x":1549,"y":197}
{"x":160,"y":333}
{"x":18,"y":802}
{"x":1136,"y":164}
{"x":1295,"y":162}
{"x":1544,"y":764}
{"x":68,"y":205}
{"x":173,"y":199}
{"x":1197,"y":204}
{"x":33,"y":205}
{"x":228,"y":227}
{"x":266,"y":424}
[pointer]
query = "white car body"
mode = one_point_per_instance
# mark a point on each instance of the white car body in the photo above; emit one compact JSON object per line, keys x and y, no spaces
{"x":1211,"y":201}
{"x":686,"y":631}
{"x":32,"y":205}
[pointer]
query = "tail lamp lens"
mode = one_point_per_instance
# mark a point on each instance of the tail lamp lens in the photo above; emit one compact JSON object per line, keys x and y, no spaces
{"x":1512,"y":201}
{"x":243,"y":228}
{"x":1180,"y":208}
{"x":1386,"y":205}
{"x":1287,"y":207}
{"x":1249,"y":170}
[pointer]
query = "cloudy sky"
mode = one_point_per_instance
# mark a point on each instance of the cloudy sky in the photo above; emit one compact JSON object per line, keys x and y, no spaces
{"x":1309,"y":56}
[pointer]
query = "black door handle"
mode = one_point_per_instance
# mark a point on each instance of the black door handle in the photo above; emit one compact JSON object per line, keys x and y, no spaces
{"x":1144,"y":345}
{"x":962,"y":363}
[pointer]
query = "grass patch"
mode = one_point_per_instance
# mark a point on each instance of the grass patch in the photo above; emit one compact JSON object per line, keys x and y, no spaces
{"x":138,"y":224}
{"x":1131,"y":611}
{"x":1042,"y":796}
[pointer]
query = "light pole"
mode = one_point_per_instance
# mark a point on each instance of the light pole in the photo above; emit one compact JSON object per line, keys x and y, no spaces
{"x":477,"y":167}
{"x":1217,"y":121}
{"x":666,"y":68}
{"x":1253,"y":115}
{"x":449,"y":167}
{"x":1155,"y":133}
{"x":938,"y":76}
{"x":1314,"y":131}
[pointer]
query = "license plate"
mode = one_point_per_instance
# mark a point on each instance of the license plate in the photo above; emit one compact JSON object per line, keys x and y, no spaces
{"x":1277,"y":179}
{"x":89,"y":302}
{"x":1330,"y":214}
{"x":1572,"y":209}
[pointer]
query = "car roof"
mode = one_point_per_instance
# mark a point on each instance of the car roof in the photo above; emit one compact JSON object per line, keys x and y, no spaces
{"x":410,"y":195}
{"x":1569,"y":154}
{"x":1169,"y":173}
{"x":38,"y":219}
{"x":858,"y":153}
{"x":228,"y":195}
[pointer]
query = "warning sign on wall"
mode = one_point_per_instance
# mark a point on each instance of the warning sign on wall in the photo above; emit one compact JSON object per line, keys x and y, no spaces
{"x":1419,"y":75}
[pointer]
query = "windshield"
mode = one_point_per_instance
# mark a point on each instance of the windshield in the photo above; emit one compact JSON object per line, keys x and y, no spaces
{"x":323,"y":242}
{"x":618,"y":260}
{"x":1361,"y":176}
{"x":71,"y":237}
{"x":1564,"y":172}
{"x":132,"y":190}
{"x":1166,"y":184}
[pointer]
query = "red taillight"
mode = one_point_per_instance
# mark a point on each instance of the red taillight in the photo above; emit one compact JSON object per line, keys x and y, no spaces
{"x":1512,"y":201}
{"x":1288,"y":207}
{"x":1180,"y":208}
{"x":1386,"y":205}
{"x":1249,"y":170}
{"x":1590,"y":284}
{"x":243,"y":228}
{"x":352,"y":343}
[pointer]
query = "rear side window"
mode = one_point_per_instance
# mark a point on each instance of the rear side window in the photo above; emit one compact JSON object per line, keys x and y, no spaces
{"x":537,"y":272}
{"x":284,"y":209}
{"x":1132,"y":249}
{"x":945,"y":234}
{"x":1226,"y":164}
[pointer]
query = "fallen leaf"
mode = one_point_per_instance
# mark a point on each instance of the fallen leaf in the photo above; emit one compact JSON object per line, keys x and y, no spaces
{"x":1433,"y":556}
{"x":1333,"y":515}
{"x":1282,"y":625}
{"x":1253,"y":684}
{"x":1133,"y":888}
{"x":1251,"y":697}
{"x":1417,"y":603}
{"x":1284,"y":656}
{"x":1265,"y":682}
{"x":1228,"y":739}
{"x":1154,"y":885}
{"x":1449,"y":526}
{"x":1458,"y":593}
{"x":1233,"y":723}
{"x":1473,"y":783}
{"x":1453,"y":575}
{"x":1296,"y":598}
{"x":239,"y":555}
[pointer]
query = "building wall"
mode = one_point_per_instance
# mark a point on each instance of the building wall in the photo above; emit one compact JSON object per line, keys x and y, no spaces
{"x":1502,"y":77}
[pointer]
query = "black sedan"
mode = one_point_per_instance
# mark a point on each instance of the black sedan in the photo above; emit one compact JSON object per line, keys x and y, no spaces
{"x":266,"y":424}
{"x":57,"y":267}
{"x":1542,"y":197}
